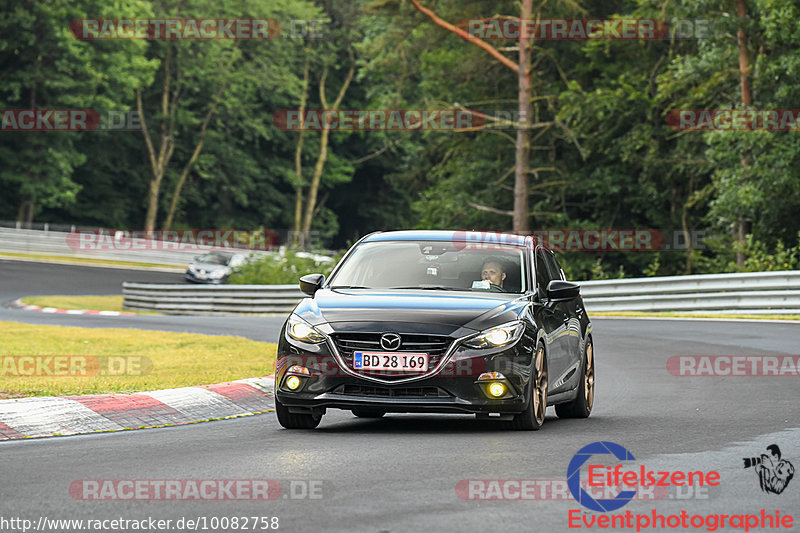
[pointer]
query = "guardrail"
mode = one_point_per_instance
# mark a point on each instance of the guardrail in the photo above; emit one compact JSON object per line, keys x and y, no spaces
{"x":49,"y":242}
{"x":209,"y":299}
{"x":752,"y":293}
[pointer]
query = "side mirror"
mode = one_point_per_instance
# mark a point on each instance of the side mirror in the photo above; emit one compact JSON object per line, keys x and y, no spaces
{"x":562,"y":291}
{"x":311,"y":283}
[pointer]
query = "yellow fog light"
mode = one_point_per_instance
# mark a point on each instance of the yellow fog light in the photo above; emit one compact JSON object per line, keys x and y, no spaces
{"x":293,"y":382}
{"x":497,"y":390}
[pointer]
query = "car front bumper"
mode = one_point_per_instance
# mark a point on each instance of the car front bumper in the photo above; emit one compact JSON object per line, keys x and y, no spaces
{"x":455,"y":388}
{"x":194,"y":279}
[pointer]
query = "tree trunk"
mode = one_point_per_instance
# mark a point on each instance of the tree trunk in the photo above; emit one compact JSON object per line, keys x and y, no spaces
{"x":197,"y":150}
{"x":523,"y":147}
{"x":25,"y":212}
{"x":747,"y":100}
{"x":313,"y":190}
{"x":298,"y":166}
{"x":744,"y":58}
{"x":687,"y":236}
{"x":176,"y":194}
{"x":323,"y":149}
{"x":152,"y":204}
{"x":158,"y":162}
{"x":28,"y":201}
{"x":523,"y":69}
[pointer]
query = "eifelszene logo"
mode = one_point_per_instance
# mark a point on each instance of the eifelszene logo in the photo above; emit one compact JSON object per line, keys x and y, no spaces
{"x":630,"y":476}
{"x":774,"y":473}
{"x":574,"y":476}
{"x":593,"y":459}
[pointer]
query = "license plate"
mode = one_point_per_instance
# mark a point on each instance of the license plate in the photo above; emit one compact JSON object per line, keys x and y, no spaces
{"x":406,"y":362}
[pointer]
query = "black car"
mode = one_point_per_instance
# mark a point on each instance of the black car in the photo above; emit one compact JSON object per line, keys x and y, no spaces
{"x":438,"y":322}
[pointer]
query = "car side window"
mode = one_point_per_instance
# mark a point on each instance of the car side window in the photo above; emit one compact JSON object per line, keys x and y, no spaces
{"x":543,"y":275}
{"x":553,"y":266}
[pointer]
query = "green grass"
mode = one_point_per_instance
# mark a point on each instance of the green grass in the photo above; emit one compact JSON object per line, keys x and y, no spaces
{"x":693,"y":315}
{"x":166,"y":359}
{"x":85,"y":260}
{"x":94,"y":303}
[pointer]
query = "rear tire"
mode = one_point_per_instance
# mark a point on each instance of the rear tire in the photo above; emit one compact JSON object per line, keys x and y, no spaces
{"x":366,"y":412}
{"x":581,"y":406}
{"x":295,"y":420}
{"x":532,"y":418}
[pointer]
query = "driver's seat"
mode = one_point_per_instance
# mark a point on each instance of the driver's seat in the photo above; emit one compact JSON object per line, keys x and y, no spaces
{"x":512,"y":283}
{"x":465,"y":279}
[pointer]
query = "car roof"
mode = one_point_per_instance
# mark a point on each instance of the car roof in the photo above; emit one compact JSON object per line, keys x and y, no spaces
{"x":216,"y":252}
{"x":483,"y":237}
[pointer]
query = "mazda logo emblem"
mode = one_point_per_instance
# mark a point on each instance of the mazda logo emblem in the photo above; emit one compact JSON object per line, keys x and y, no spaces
{"x":390,"y":341}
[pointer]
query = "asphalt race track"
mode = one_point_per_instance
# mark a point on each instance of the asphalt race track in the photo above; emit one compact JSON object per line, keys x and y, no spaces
{"x":20,"y":278}
{"x":401,"y":473}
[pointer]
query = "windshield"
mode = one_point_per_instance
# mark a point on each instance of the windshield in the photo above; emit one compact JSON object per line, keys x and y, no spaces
{"x":433,"y":265}
{"x":214,"y":259}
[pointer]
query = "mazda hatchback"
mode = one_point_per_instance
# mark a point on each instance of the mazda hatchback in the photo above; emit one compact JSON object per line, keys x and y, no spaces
{"x":438,"y":322}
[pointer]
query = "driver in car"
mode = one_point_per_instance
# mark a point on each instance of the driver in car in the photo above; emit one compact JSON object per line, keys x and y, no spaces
{"x":493,"y":272}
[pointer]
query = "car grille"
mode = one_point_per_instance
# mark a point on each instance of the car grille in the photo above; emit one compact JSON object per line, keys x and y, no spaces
{"x":394,"y":392}
{"x":434,"y":345}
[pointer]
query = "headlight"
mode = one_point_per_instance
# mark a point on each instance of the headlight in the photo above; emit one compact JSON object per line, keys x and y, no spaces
{"x":498,"y":336}
{"x":299,"y":329}
{"x":192,"y":268}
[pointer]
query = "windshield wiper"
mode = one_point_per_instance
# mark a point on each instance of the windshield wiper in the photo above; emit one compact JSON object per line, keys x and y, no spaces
{"x":348,"y":287}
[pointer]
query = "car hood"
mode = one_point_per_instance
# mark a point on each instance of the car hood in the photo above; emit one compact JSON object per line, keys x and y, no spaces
{"x":209,"y":267}
{"x":435,"y":311}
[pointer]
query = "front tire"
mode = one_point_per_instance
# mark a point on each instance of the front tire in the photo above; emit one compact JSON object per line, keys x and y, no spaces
{"x":581,"y":406}
{"x":532,"y":418}
{"x":295,"y":420}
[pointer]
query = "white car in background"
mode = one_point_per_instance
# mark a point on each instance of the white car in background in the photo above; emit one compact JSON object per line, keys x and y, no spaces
{"x":214,"y":267}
